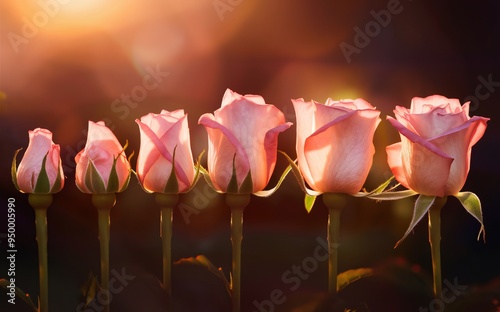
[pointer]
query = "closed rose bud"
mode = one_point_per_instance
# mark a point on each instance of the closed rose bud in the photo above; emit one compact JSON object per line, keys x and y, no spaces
{"x":335,"y":143}
{"x":437,"y":134}
{"x":40,"y":170}
{"x":165,"y":144}
{"x":242,"y":137}
{"x":102,"y":166}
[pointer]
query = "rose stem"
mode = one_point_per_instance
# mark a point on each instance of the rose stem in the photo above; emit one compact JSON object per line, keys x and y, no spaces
{"x":334,"y":203}
{"x":237,"y":203}
{"x":40,"y":202}
{"x":435,"y":243}
{"x":104,"y":203}
{"x":167,"y":203}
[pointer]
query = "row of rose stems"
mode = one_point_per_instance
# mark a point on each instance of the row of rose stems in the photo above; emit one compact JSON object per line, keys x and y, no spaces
{"x":325,"y":132}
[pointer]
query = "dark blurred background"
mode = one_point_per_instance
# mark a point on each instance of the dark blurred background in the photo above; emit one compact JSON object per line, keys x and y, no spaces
{"x":64,"y":63}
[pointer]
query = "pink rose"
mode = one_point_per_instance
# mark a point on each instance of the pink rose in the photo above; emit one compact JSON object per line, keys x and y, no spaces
{"x":242,"y":134}
{"x":163,"y":137}
{"x":335,"y":143}
{"x":40,"y":170}
{"x":102,"y":166}
{"x":437,"y":134}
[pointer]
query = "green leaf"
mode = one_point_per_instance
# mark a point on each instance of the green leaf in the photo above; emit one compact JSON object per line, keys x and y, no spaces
{"x":20,"y":294}
{"x":422,"y":205}
{"x":232,"y":186}
{"x":472,"y":204}
{"x":350,"y":276}
{"x":93,"y":180}
{"x":309,"y":202}
{"x":203,"y":261}
{"x":13,"y":169}
{"x":172,"y":185}
{"x":90,"y":288}
{"x":42,"y":185}
{"x":267,"y":193}
{"x":113,"y":182}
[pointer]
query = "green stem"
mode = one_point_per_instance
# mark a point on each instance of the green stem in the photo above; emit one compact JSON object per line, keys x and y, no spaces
{"x":40,"y":202}
{"x":104,"y":203}
{"x":167,"y":203}
{"x":237,"y":203}
{"x":334,"y":203}
{"x":435,"y":243}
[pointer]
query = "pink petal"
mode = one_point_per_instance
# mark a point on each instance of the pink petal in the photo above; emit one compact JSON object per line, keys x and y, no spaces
{"x":423,"y":105}
{"x":458,"y":143}
{"x":425,"y":166}
{"x":394,"y":160}
{"x":222,"y":148}
{"x":305,"y":127}
{"x":340,"y":153}
{"x":231,"y":96}
{"x":40,"y":143}
{"x":163,"y":147}
{"x":102,"y":148}
{"x":271,"y":148}
{"x":435,"y":122}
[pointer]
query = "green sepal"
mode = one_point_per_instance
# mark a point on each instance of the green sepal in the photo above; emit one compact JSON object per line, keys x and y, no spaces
{"x":391,"y":195}
{"x":472,"y":204}
{"x":42,"y":185}
{"x":247,"y":185}
{"x":113,"y":181}
{"x":58,"y":182}
{"x":422,"y":205}
{"x":198,"y":170}
{"x":13,"y":169}
{"x":232,"y":186}
{"x":381,"y":192}
{"x":350,"y":276}
{"x":309,"y":202}
{"x":267,"y":193}
{"x":127,"y":180}
{"x":125,"y":184}
{"x":93,"y":180}
{"x":309,"y":194}
{"x":206,"y":175}
{"x":172,"y":185}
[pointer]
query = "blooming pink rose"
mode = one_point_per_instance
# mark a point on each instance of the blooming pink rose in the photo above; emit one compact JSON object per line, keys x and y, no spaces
{"x":102,"y":166}
{"x":41,"y":153}
{"x":335,"y":143}
{"x":437,"y":134}
{"x":242,"y":134}
{"x":162,"y":135}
